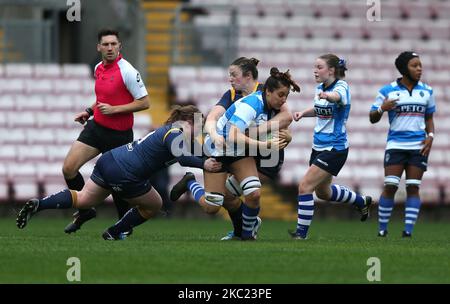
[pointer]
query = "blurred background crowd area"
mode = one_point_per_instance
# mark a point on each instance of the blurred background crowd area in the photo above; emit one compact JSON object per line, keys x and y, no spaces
{"x":183,"y":49}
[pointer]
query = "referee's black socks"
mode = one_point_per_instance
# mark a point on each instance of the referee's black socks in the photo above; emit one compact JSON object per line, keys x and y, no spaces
{"x":76,"y":183}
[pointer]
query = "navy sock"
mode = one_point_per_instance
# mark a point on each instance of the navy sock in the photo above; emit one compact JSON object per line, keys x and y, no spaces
{"x":122,"y":205}
{"x":60,"y":200}
{"x":131,"y":219}
{"x":236,"y":219}
{"x":76,"y":183}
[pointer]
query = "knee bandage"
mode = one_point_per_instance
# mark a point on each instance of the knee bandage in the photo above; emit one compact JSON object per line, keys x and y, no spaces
{"x":413,"y":182}
{"x":392,"y":180}
{"x":233,"y":186}
{"x":214,"y":198}
{"x":250,"y":185}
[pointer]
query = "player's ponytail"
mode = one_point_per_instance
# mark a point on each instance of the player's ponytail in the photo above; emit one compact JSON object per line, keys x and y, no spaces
{"x":278,"y":79}
{"x":339,"y":65}
{"x":254,"y":61}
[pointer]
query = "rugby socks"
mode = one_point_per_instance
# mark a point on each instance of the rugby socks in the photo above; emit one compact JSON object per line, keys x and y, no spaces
{"x":62,"y":200}
{"x":76,"y":183}
{"x":236,"y":219}
{"x":131,"y":219}
{"x":412,"y":209}
{"x":385,"y":207}
{"x":196,"y":189}
{"x":122,"y":205}
{"x":343,"y":194}
{"x":249,"y":216}
{"x":305,"y":213}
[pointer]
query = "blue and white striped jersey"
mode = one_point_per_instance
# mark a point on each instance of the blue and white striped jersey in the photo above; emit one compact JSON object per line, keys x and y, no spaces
{"x":330,"y":131}
{"x":246,"y":112}
{"x":407,"y":119}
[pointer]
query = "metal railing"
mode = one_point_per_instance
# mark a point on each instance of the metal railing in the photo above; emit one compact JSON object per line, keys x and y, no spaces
{"x":26,"y":41}
{"x":213,"y":42}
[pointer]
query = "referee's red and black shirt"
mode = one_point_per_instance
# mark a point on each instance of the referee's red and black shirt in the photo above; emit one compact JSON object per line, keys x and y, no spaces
{"x":117,"y":83}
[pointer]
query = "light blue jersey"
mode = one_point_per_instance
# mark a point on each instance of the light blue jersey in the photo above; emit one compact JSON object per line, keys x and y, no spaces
{"x":330,"y":131}
{"x":248,"y":111}
{"x":407,"y":119}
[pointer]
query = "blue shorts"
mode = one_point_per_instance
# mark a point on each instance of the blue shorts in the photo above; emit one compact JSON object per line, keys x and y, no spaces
{"x":330,"y":161}
{"x":107,"y":174}
{"x":405,"y":158}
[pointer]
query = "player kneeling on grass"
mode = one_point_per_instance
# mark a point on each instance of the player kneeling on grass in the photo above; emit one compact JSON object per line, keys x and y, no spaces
{"x":126,"y":171}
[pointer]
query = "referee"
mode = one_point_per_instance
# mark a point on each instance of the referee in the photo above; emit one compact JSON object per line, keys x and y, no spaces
{"x":119,"y":92}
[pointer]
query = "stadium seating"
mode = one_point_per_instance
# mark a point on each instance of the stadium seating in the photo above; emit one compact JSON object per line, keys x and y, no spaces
{"x":291,"y":34}
{"x":38,"y":101}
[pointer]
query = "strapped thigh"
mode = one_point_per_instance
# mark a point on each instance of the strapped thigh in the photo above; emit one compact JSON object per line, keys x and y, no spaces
{"x":233,"y":186}
{"x":392,"y":180}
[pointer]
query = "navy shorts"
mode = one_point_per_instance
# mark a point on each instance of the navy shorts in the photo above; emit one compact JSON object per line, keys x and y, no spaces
{"x":227,"y":161}
{"x":405,"y":157}
{"x":107,"y":174}
{"x":271,"y":172}
{"x":330,"y":161}
{"x":104,"y":139}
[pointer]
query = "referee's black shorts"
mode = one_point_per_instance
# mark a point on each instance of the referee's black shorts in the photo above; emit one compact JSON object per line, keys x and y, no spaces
{"x":104,"y":139}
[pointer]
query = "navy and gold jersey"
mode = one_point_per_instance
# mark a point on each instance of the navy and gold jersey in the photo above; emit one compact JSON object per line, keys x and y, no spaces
{"x":158,"y":149}
{"x":232,"y":95}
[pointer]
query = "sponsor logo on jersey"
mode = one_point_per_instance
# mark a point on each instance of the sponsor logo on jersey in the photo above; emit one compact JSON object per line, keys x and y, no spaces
{"x":411,"y":108}
{"x":323,"y":112}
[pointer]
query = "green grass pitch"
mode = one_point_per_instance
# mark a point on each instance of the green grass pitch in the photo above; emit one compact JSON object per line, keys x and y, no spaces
{"x":189,"y":251}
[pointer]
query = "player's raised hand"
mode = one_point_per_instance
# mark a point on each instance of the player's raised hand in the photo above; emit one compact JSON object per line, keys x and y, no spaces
{"x":323,"y":95}
{"x":212,"y":165}
{"x":389,"y":104}
{"x":297,"y":116}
